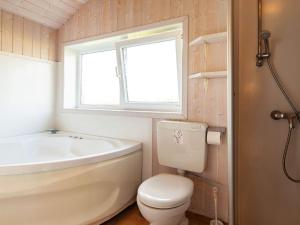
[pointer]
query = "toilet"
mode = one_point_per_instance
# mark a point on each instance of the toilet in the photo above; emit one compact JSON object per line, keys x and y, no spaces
{"x":164,"y":199}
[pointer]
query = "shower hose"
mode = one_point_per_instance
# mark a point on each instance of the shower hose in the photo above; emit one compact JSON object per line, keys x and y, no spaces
{"x":291,"y":126}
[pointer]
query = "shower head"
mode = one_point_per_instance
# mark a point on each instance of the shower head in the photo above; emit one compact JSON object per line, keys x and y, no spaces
{"x":263,"y":48}
{"x":265,"y":35}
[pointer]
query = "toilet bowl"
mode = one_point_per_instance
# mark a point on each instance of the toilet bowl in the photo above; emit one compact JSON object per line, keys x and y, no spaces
{"x":164,"y":199}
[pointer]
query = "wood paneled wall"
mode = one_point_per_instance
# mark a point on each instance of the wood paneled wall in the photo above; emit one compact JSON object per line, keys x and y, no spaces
{"x":206,"y":102}
{"x":25,"y":37}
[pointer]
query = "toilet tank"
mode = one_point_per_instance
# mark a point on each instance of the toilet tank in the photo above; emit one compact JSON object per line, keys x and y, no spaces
{"x":182,"y":145}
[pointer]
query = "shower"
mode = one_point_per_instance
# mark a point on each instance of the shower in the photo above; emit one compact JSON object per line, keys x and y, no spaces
{"x":264,"y":56}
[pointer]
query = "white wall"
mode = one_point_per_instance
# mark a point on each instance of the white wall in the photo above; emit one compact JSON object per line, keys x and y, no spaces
{"x":27,"y":95}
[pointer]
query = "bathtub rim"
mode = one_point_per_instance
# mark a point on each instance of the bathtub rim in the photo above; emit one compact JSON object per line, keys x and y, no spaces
{"x":47,"y":166}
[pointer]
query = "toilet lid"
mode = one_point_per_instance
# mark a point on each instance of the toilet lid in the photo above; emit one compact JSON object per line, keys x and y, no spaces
{"x":165,"y":191}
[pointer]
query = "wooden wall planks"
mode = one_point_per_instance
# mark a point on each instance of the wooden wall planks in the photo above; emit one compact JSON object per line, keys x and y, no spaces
{"x":98,"y":17}
{"x":45,"y":39}
{"x":0,"y":29}
{"x":36,"y":42}
{"x":18,"y":29}
{"x":25,"y":37}
{"x":28,"y":38}
{"x":7,"y":32}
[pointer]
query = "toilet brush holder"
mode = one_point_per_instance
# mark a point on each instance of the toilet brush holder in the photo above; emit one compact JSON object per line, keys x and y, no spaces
{"x":215,"y":221}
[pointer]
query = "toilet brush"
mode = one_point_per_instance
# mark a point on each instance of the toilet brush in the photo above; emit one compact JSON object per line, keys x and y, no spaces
{"x":215,"y":221}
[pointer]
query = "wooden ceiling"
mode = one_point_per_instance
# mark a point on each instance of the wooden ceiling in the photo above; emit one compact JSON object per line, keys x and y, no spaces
{"x":52,"y":13}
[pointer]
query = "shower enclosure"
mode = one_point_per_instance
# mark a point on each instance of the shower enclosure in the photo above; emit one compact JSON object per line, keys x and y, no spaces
{"x":264,"y":56}
{"x":263,"y":194}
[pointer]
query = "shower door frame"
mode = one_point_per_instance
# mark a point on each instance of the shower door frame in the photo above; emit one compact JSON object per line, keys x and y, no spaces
{"x":230,"y":111}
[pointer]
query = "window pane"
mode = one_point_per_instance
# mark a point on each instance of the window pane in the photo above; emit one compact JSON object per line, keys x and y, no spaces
{"x":100,"y":85}
{"x":151,"y":72}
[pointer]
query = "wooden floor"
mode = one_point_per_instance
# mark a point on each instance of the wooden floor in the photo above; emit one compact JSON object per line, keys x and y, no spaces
{"x":132,"y":216}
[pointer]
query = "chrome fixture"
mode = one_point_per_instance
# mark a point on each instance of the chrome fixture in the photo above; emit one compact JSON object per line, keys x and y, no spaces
{"x":52,"y":131}
{"x":76,"y":137}
{"x":290,"y":117}
{"x":264,"y":55}
{"x":263,"y":51}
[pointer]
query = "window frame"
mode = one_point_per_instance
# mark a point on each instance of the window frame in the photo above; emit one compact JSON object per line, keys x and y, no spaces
{"x":68,"y":101}
{"x":157,"y":38}
{"x":124,"y":103}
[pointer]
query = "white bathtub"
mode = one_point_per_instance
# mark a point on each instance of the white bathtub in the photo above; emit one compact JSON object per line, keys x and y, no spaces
{"x":66,"y":178}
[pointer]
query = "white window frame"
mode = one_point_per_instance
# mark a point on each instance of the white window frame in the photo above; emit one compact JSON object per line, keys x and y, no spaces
{"x":153,"y":106}
{"x":117,"y":110}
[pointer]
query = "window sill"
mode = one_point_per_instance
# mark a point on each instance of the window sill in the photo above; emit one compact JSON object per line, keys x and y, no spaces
{"x":131,"y":113}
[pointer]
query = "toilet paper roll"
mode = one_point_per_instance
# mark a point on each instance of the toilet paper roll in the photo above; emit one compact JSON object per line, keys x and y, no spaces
{"x":213,"y":138}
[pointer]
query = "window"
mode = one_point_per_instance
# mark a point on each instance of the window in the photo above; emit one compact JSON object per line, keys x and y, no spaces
{"x":150,"y":72}
{"x":99,"y":84}
{"x":140,"y":71}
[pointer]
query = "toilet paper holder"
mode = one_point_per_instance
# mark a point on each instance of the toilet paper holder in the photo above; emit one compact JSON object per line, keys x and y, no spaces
{"x":222,"y":130}
{"x":214,"y":135}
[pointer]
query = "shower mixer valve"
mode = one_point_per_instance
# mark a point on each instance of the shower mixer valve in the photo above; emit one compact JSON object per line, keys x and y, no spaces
{"x":290,"y":117}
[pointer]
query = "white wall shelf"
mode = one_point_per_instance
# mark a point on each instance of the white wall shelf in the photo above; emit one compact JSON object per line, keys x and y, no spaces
{"x":210,"y":38}
{"x":209,"y":75}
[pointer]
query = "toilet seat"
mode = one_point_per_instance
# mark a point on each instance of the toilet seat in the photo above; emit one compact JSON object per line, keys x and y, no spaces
{"x":165,"y":191}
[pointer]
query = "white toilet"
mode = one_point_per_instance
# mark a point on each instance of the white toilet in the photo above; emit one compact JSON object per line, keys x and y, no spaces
{"x":164,"y":198}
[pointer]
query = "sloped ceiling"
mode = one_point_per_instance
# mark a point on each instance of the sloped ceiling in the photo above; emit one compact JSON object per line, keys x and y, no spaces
{"x":51,"y":13}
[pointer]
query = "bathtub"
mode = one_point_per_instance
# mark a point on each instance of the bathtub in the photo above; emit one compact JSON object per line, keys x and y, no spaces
{"x":66,"y":178}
